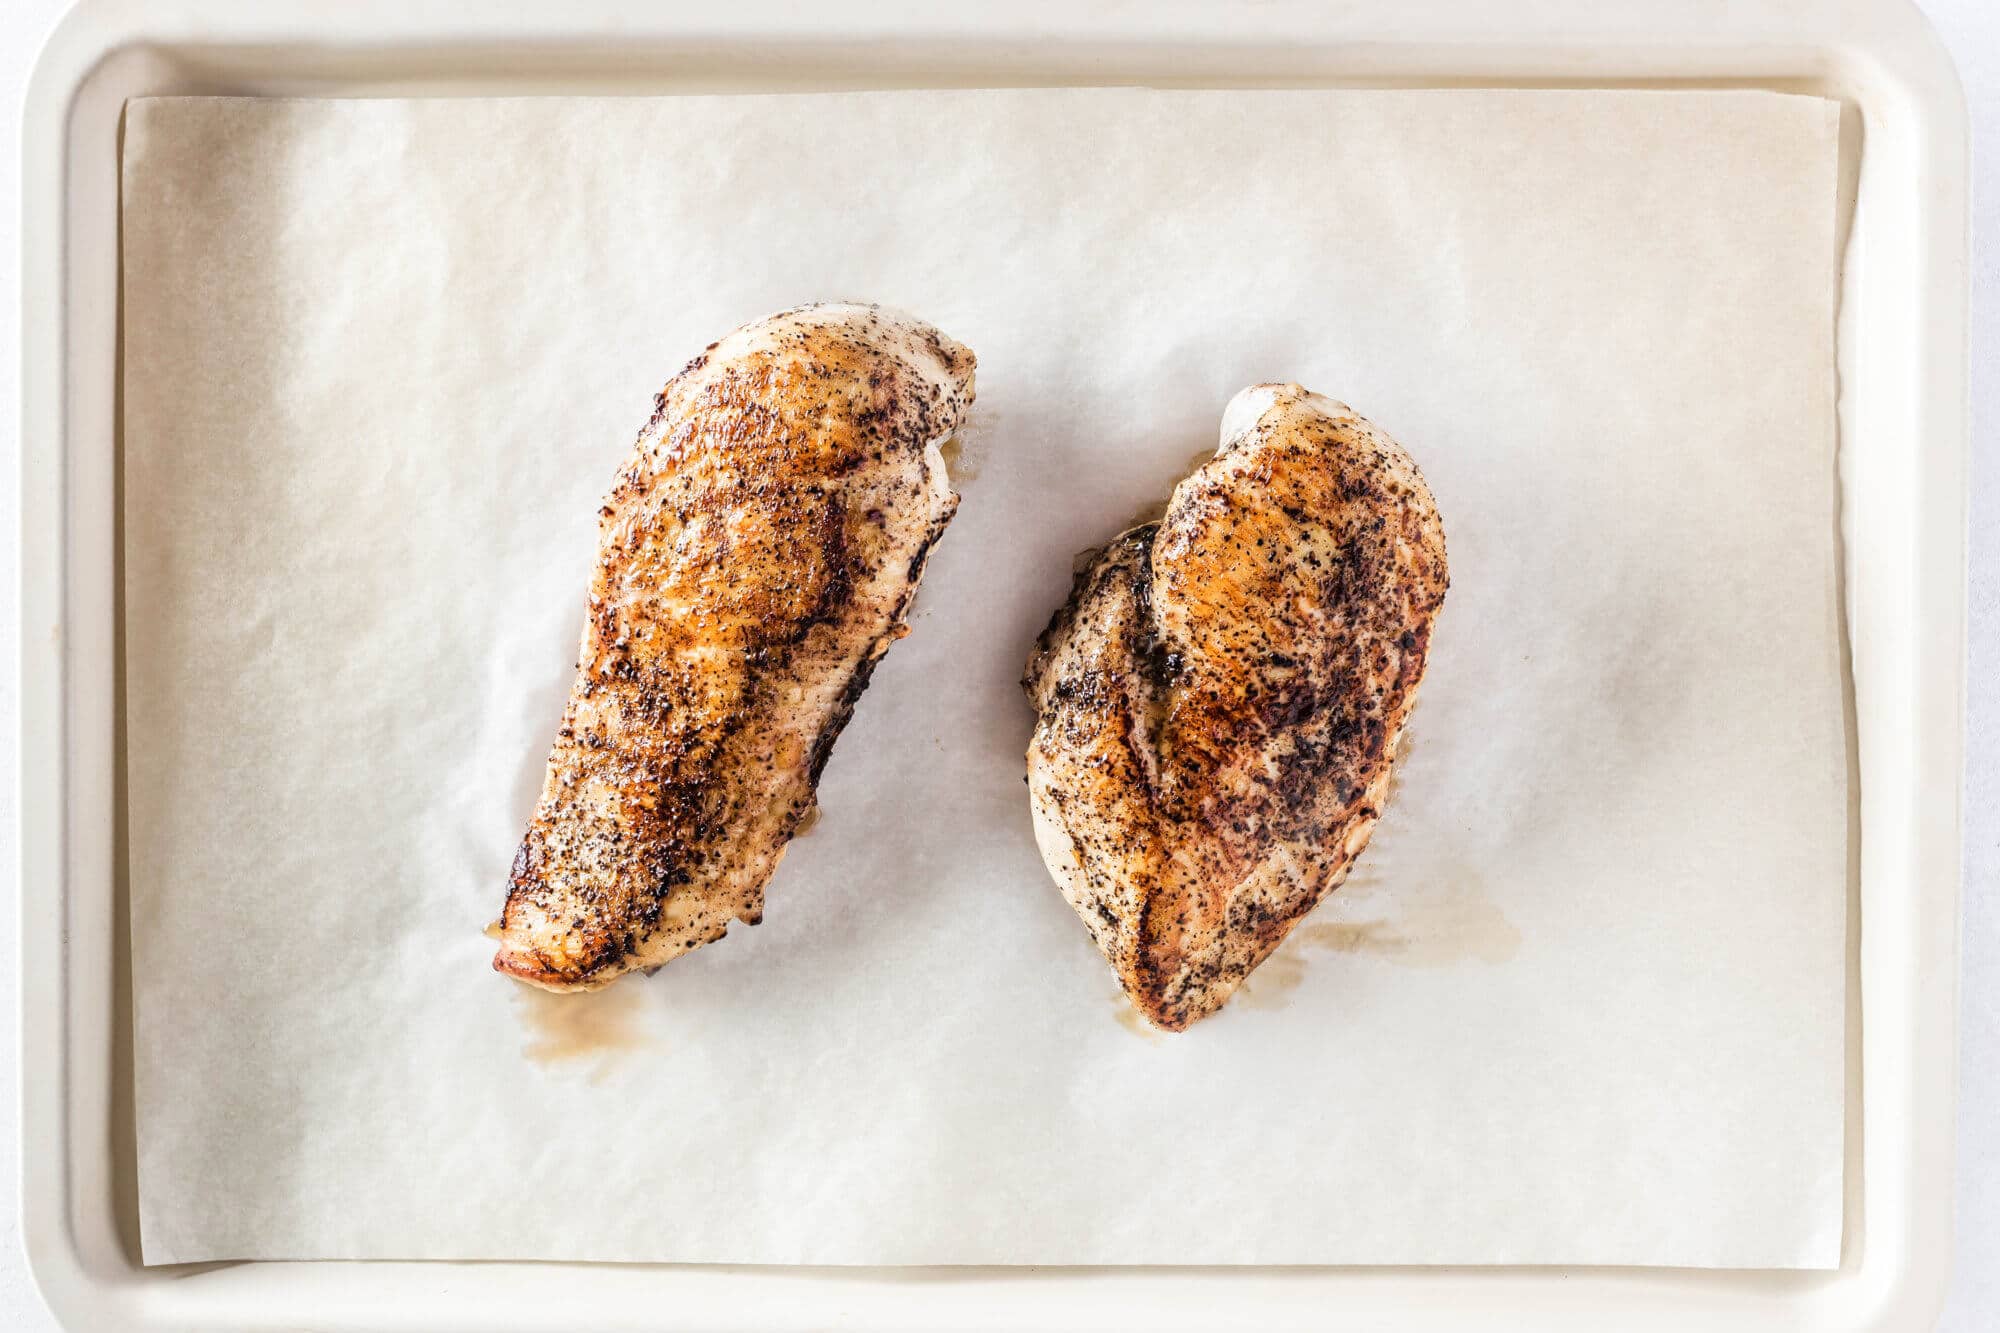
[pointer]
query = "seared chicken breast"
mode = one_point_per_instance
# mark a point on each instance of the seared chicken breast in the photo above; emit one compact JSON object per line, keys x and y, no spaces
{"x":756,"y":556}
{"x":1221,"y":699}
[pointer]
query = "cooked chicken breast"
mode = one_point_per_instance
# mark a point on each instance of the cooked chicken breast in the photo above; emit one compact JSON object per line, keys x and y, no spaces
{"x":756,"y":556}
{"x":1221,"y":698}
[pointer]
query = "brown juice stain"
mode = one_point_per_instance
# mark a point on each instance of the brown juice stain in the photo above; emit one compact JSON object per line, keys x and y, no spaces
{"x":1459,"y":925}
{"x":1271,"y":983}
{"x":965,"y":452}
{"x":1361,"y":882}
{"x":590,"y":1029}
{"x":1377,"y":937}
{"x":807,"y":821}
{"x":1454,"y":922}
{"x":1463,"y":927}
{"x":1134,"y":1022}
{"x":960,"y":466}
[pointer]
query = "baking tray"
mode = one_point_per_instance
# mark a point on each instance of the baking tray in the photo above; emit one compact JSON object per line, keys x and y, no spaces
{"x":1903,"y":463}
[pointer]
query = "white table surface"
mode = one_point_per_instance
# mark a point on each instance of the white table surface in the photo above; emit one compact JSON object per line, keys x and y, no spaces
{"x":1970,"y":27}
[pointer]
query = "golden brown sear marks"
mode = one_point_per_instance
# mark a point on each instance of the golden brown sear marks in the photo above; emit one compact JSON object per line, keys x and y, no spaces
{"x":756,"y":554}
{"x":1221,"y":697}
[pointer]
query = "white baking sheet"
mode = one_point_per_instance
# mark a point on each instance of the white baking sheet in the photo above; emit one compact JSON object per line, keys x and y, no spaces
{"x":1583,"y":1002}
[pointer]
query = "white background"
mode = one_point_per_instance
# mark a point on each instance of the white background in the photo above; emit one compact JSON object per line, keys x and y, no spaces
{"x":1972,"y":29}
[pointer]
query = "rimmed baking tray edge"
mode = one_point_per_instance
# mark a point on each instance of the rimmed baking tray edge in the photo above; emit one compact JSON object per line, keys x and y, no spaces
{"x":1903,"y":460}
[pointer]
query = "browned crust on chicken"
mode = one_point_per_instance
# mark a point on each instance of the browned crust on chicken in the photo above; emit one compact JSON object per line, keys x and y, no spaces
{"x":1221,"y":698}
{"x":756,"y":555}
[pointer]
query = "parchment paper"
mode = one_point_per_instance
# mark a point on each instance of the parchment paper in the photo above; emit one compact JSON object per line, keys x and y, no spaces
{"x":1582,"y":1004}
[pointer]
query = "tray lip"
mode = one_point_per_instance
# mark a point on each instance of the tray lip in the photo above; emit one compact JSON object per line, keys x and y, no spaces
{"x":1900,"y":1279}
